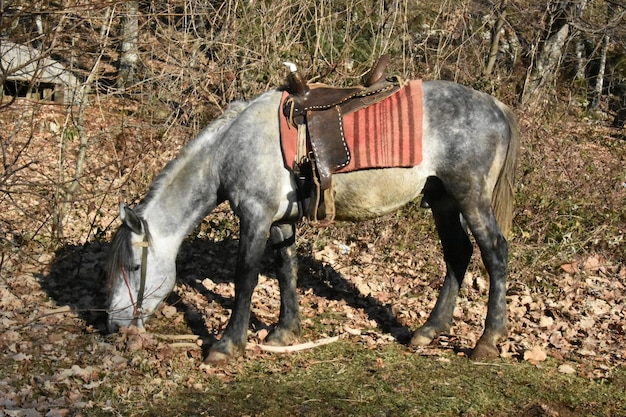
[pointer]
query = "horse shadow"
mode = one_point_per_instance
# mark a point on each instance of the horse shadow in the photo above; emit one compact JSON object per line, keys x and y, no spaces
{"x":205,"y":258}
{"x":327,"y":283}
{"x":77,"y":279}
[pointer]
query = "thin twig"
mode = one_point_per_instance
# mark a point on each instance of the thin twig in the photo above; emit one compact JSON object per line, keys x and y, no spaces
{"x":176,"y":337}
{"x":293,"y":348}
{"x":498,"y":365}
{"x":184,"y":345}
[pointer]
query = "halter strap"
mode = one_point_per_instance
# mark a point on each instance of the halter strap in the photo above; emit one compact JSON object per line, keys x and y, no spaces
{"x":144,"y":267}
{"x":137,"y":306}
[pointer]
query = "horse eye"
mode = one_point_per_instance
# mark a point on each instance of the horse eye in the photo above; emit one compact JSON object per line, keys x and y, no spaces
{"x":135,"y":268}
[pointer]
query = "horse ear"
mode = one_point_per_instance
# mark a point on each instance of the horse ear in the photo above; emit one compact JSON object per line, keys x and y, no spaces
{"x":131,"y":219}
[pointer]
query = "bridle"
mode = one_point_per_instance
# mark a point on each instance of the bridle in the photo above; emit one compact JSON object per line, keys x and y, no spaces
{"x":138,"y":306}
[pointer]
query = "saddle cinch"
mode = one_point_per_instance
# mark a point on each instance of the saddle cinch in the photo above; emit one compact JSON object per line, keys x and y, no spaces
{"x":317,"y":111}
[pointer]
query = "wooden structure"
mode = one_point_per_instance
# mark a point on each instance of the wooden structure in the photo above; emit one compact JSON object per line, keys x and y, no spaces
{"x":25,"y":72}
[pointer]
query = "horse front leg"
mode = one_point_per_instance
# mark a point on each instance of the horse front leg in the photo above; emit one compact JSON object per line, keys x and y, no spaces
{"x":253,"y":237}
{"x":457,"y":252}
{"x":287,"y":330}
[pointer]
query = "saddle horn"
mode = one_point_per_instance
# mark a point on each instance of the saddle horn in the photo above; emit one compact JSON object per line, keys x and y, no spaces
{"x":295,"y":82}
{"x":377,"y":73}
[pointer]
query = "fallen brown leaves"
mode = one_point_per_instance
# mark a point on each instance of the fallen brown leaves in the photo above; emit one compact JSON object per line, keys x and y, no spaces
{"x":535,"y":355}
{"x":372,"y":284}
{"x":568,"y":317}
{"x":579,"y":323}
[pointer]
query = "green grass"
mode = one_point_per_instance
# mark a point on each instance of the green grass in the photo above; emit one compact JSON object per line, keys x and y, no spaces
{"x":346,"y":379}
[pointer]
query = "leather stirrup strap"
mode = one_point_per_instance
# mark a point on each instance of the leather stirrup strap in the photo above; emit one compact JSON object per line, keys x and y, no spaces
{"x":328,"y":142}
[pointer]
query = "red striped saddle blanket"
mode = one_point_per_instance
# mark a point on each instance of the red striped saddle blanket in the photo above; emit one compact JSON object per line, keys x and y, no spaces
{"x":384,"y":135}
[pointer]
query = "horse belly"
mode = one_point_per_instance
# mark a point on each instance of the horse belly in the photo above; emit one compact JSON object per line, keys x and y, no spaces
{"x":363,"y":195}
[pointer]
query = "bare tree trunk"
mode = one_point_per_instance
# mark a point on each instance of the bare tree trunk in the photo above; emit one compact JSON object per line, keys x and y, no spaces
{"x":606,"y":40}
{"x":104,"y":29}
{"x":546,"y":67}
{"x":129,"y":53}
{"x":495,"y":40}
{"x":597,"y":90}
{"x":581,"y":62}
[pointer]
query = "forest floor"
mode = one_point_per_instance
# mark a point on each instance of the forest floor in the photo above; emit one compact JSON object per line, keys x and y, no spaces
{"x":371,"y":284}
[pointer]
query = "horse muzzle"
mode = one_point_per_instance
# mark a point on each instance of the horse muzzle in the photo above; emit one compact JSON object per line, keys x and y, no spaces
{"x":116,"y":322}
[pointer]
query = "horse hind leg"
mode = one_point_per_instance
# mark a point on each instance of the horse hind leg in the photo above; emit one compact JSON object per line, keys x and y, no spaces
{"x":494,"y":252}
{"x":457,"y":250}
{"x":288,"y":328}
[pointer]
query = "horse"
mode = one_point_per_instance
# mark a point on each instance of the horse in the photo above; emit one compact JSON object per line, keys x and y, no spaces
{"x":466,"y":178}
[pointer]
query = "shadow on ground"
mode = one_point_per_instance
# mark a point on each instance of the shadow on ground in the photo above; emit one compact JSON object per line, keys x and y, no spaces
{"x":77,"y":279}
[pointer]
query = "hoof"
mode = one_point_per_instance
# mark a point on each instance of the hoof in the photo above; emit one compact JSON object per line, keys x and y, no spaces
{"x":216,"y":357}
{"x":282,"y":337}
{"x":222,"y":351}
{"x":426,"y":334}
{"x":485,"y":350}
{"x":420,"y":340}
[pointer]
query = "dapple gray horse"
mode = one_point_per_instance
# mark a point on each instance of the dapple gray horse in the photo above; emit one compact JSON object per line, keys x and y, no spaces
{"x":470,"y":145}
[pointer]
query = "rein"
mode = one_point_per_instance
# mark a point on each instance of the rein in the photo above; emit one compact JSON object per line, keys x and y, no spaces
{"x":137,"y":306}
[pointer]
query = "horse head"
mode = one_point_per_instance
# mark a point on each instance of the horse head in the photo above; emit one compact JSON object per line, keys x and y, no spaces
{"x":141,"y":272}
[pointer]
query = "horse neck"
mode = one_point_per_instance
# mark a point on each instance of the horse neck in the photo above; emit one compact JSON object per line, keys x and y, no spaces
{"x":185,"y":191}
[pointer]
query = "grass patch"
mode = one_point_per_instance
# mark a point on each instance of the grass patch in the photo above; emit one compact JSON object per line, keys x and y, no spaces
{"x":344,"y":379}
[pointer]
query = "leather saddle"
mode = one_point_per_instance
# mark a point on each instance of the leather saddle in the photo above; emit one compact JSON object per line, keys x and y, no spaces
{"x":317,"y":110}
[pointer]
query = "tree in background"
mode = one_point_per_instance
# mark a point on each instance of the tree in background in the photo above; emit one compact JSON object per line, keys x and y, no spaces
{"x":613,"y":18}
{"x":591,"y":28}
{"x":495,"y":38}
{"x":186,"y":60}
{"x":129,"y":51}
{"x":545,"y":65}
